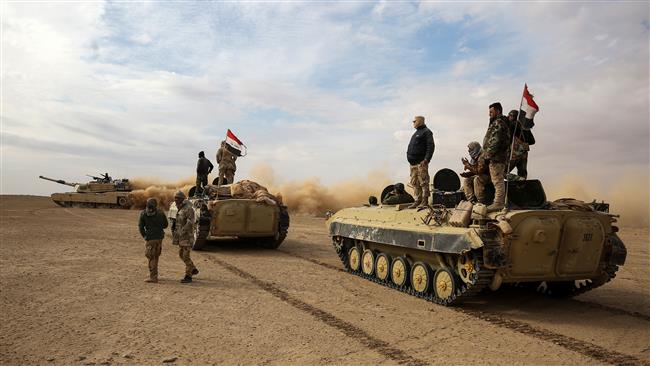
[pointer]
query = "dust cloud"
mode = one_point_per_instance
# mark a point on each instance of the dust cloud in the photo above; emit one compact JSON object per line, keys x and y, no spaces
{"x":629,"y":197}
{"x":145,"y":188}
{"x":310,"y":196}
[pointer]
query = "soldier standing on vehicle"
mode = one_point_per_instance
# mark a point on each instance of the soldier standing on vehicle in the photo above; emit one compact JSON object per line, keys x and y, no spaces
{"x":151,"y":225}
{"x":496,"y":146}
{"x":203,"y":168}
{"x":473,"y":168}
{"x":523,"y":138}
{"x":418,"y":154}
{"x":184,"y":234}
{"x":227,"y":166}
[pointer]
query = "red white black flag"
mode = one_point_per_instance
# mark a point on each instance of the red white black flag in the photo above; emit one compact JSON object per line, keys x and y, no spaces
{"x":528,"y":109}
{"x":234,"y":145}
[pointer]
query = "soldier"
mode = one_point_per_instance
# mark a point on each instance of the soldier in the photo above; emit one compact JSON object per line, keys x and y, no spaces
{"x":473,"y":169}
{"x":227,"y":166}
{"x":397,"y":196}
{"x":152,"y":224}
{"x":523,"y":138}
{"x":184,"y":234}
{"x":496,"y":146}
{"x":418,"y":154}
{"x":203,"y":168}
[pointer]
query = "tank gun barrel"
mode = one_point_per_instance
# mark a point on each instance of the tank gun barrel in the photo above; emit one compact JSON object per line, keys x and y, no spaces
{"x":60,"y":181}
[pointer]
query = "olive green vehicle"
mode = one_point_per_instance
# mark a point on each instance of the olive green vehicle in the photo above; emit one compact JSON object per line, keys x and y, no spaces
{"x":100,"y":192}
{"x":451,"y":250}
{"x":224,"y":217}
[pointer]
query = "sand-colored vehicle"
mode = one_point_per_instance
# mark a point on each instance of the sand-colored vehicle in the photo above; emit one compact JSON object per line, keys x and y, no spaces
{"x":221,"y":216}
{"x":100,"y":192}
{"x":445,"y":254}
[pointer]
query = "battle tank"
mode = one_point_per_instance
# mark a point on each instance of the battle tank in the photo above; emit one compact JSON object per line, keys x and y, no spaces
{"x":220,"y":214}
{"x":100,"y":192}
{"x":452,"y":250}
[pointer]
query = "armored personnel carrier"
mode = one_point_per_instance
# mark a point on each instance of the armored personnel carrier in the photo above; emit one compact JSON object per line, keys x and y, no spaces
{"x":220,"y":214}
{"x":452,"y":249}
{"x":102,"y":191}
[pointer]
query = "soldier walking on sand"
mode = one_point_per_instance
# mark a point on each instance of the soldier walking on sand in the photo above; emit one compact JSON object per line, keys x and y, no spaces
{"x":496,"y":146}
{"x":184,"y":234}
{"x":203,"y":168}
{"x":227,"y":167}
{"x":418,"y":154}
{"x":152,"y":224}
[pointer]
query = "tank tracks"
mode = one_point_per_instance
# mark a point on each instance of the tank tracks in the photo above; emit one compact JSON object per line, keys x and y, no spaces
{"x":575,"y":288}
{"x":89,"y":205}
{"x":463,"y":290}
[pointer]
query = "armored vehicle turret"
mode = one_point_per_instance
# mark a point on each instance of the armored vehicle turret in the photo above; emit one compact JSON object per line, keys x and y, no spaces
{"x":453,"y":249}
{"x":100,"y":192}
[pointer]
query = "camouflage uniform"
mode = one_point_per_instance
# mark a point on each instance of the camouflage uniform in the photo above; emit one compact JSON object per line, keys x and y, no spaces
{"x":151,"y":226}
{"x":227,"y":167}
{"x":496,"y":146}
{"x":184,"y":235}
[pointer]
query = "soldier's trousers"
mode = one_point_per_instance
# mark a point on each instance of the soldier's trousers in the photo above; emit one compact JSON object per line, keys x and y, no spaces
{"x":497,"y":176}
{"x":201,"y":181}
{"x":521,"y":164}
{"x":420,"y":181}
{"x":184,"y":254}
{"x":152,"y":250}
{"x":228,"y":174}
{"x":468,"y":187}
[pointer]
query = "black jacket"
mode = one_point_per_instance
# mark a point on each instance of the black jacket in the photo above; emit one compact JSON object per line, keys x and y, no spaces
{"x":151,"y":227}
{"x":421,"y":146}
{"x":204,"y":166}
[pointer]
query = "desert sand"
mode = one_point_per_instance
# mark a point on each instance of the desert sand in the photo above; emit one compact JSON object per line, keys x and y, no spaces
{"x":72,"y":293}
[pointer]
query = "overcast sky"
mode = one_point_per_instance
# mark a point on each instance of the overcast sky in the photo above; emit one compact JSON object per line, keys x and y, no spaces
{"x":315,"y":89}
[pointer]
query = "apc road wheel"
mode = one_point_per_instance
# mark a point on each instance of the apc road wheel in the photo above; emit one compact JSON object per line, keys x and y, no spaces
{"x":122,"y":201}
{"x":421,"y":277}
{"x":354,"y":259}
{"x":467,"y":268}
{"x":399,"y":271}
{"x":368,"y":262}
{"x":444,"y":284}
{"x":382,"y":267}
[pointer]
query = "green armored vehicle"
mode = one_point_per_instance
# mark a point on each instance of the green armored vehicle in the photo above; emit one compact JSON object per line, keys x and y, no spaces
{"x":102,"y":191}
{"x":452,"y":249}
{"x":222,"y":215}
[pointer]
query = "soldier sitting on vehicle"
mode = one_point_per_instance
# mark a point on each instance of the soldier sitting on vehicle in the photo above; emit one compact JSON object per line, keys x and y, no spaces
{"x":473,"y":168}
{"x":397,"y":196}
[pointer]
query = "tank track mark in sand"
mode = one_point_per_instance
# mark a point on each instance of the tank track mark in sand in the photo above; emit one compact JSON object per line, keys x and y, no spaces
{"x":572,"y":344}
{"x":350,"y":330}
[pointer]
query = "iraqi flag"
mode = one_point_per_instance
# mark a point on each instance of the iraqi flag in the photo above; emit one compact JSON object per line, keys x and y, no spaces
{"x":234,"y":145}
{"x":528,"y":109}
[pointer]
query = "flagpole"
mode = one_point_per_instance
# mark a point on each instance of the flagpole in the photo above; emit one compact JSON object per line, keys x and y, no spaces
{"x":512,"y":146}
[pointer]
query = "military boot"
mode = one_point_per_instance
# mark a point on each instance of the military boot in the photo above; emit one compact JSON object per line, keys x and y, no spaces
{"x":151,"y":280}
{"x":425,"y":198}
{"x":418,"y":201}
{"x":195,"y":271}
{"x":499,"y":197}
{"x":187,"y":279}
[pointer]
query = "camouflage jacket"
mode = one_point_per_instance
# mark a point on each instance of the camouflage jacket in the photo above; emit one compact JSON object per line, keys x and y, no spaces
{"x":226,"y":159}
{"x":184,"y":224}
{"x":496,"y":143}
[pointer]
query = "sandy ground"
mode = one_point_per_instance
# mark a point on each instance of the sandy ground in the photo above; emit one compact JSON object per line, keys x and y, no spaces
{"x":72,"y":293}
